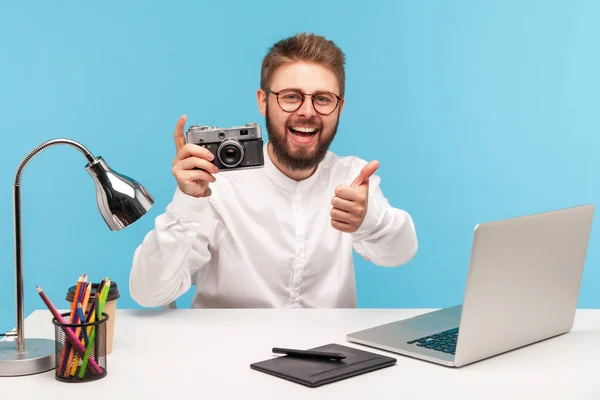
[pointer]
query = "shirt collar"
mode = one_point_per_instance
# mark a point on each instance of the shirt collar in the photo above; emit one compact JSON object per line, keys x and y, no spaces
{"x":284,"y":181}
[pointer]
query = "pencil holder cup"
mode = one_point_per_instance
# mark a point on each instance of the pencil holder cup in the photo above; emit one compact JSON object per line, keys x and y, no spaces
{"x":80,"y":349}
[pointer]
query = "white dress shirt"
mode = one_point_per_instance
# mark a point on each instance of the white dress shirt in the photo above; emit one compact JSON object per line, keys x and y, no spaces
{"x":264,"y":240}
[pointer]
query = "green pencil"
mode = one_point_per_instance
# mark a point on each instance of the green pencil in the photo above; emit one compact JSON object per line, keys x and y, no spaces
{"x":102,"y":299}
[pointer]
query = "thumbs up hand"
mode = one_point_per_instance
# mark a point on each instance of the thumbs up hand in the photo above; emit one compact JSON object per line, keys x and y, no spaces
{"x":350,"y":202}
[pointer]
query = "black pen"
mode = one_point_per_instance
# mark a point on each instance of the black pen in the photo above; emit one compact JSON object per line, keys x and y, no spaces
{"x":309,"y":353}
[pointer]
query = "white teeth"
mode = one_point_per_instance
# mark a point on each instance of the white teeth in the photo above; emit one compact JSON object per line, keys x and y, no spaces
{"x":303,"y":129}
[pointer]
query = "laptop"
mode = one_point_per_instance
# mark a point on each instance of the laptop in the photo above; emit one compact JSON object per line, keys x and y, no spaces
{"x":522,"y":287}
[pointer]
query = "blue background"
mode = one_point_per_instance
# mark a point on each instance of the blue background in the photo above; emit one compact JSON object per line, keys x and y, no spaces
{"x":476,"y":110}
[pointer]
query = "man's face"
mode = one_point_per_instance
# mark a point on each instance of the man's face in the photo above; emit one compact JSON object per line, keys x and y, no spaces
{"x":300,"y":139}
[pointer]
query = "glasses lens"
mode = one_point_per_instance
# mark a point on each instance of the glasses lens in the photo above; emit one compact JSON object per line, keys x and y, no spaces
{"x":325,"y":102}
{"x":290,"y":100}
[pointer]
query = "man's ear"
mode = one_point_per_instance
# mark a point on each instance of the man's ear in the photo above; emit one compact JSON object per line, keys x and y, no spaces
{"x":341,"y":106}
{"x":261,"y":99}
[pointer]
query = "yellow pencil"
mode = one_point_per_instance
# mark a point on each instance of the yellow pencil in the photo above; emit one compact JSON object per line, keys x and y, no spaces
{"x":102,"y":298}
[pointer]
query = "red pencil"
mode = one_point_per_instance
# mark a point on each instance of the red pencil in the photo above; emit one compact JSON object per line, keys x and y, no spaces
{"x":70,"y":335}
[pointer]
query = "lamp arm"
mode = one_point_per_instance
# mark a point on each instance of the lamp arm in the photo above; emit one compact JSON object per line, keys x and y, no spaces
{"x":90,"y":157}
{"x":17,"y":227}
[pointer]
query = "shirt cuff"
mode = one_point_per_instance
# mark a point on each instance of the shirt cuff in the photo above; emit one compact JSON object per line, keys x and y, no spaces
{"x":372,"y":220}
{"x":187,"y":207}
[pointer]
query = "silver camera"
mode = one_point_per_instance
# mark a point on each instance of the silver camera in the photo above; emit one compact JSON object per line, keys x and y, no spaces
{"x":238,"y":147}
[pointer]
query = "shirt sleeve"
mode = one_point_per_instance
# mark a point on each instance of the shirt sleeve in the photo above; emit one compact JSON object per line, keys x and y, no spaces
{"x":176,"y":249}
{"x":387,"y":236}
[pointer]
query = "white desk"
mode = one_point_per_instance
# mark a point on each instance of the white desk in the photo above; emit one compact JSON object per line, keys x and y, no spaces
{"x":205,"y":354}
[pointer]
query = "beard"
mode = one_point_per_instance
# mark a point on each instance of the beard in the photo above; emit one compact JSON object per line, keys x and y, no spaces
{"x":303,"y":159}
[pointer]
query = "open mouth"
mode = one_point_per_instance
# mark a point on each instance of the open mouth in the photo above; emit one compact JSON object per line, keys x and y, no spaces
{"x":303,"y":134}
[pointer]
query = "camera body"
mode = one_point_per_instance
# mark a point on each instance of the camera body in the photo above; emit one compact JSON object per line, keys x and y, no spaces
{"x":235,"y":148}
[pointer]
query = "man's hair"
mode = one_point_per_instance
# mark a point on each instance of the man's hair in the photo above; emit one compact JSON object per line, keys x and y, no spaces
{"x":304,"y":47}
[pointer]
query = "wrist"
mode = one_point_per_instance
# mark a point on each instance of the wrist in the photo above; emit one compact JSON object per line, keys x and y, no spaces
{"x":188,"y":207}
{"x":371,"y":221}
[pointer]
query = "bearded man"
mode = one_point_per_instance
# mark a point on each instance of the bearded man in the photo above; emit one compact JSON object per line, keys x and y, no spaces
{"x":282,"y":235}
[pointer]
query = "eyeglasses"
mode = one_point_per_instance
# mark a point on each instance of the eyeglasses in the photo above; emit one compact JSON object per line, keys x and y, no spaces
{"x":290,"y":100}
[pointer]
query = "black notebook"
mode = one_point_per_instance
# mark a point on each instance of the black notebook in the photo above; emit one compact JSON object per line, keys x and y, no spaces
{"x":316,"y":372}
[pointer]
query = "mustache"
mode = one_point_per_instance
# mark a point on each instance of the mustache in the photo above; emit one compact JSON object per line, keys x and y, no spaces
{"x":305,"y":122}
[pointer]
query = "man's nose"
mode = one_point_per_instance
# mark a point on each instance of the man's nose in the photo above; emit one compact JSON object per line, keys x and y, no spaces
{"x":307,"y":109}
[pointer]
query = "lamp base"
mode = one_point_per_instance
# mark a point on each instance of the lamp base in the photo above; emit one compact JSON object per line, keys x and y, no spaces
{"x":38,"y":356}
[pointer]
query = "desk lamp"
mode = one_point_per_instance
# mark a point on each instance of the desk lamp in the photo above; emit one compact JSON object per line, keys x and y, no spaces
{"x":121,"y":201}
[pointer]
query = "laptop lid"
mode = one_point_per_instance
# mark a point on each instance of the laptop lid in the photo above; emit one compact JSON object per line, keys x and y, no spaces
{"x":523,"y":281}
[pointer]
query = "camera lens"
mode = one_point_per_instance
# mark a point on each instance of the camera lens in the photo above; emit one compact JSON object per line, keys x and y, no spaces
{"x":230,"y":153}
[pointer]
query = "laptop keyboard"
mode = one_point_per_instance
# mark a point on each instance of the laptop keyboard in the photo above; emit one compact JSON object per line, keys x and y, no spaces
{"x":443,"y":341}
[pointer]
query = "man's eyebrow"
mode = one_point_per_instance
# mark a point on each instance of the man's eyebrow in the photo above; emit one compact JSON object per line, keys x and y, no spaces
{"x":305,"y":91}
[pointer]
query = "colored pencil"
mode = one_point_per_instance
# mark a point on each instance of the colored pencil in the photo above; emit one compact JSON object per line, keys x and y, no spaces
{"x":68,"y":331}
{"x":102,"y":296}
{"x":82,"y":320}
{"x":73,"y":359}
{"x":74,"y":362}
{"x":86,"y":299}
{"x":91,"y":317}
{"x":65,"y":350}
{"x":71,"y":352}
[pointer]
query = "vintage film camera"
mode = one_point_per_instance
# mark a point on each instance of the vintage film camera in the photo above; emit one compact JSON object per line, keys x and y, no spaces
{"x":239,"y":147}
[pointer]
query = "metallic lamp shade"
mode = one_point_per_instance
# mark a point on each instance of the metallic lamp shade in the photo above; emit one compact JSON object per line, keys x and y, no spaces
{"x":121,"y":199}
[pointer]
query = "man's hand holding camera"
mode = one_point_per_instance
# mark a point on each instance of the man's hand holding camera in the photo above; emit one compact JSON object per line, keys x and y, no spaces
{"x":192,"y":166}
{"x":350,"y":202}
